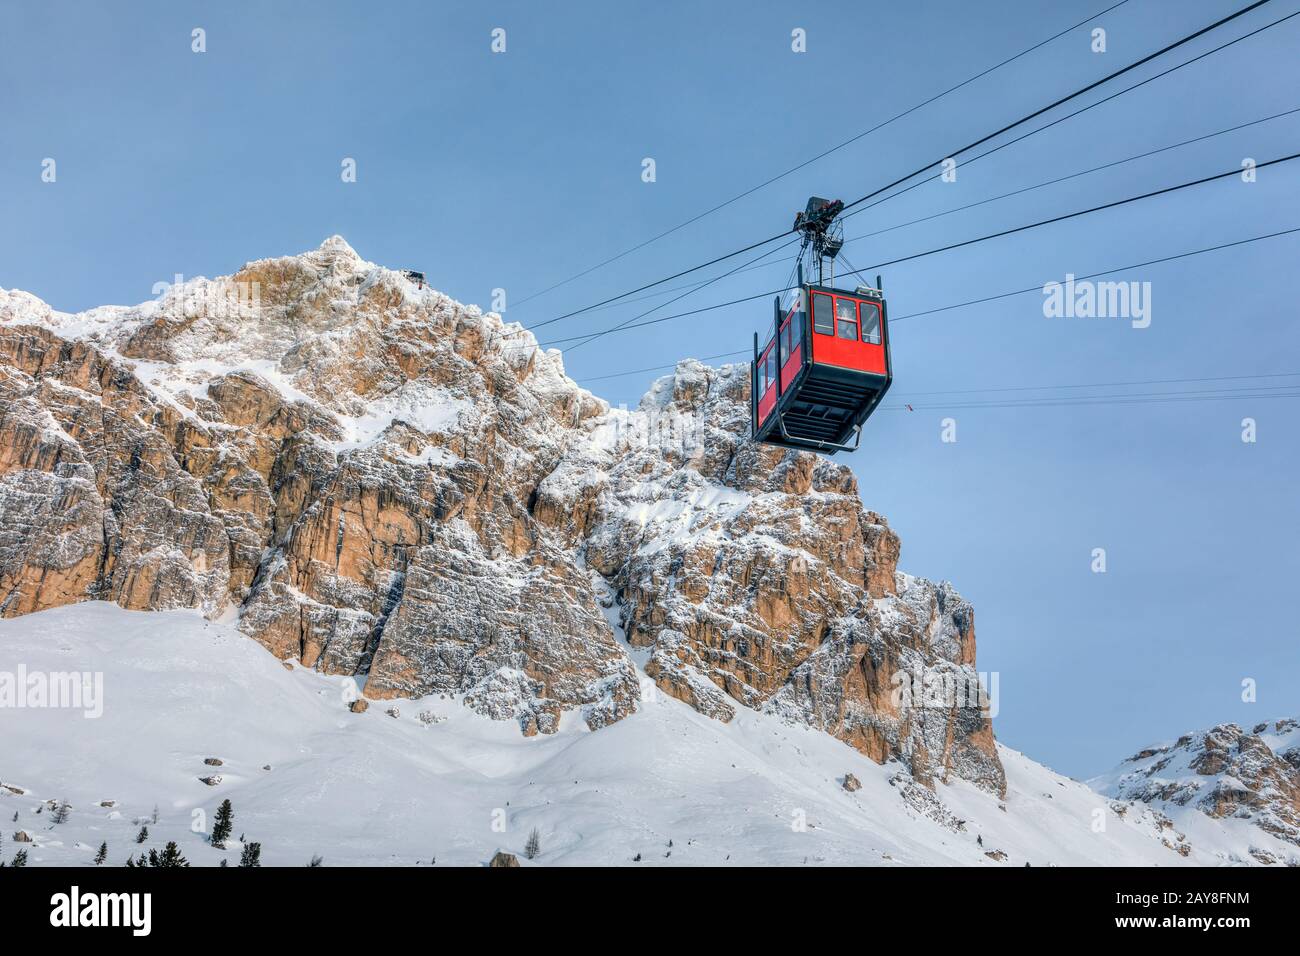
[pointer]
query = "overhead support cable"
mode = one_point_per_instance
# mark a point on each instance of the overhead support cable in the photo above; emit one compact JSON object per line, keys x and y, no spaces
{"x":822,"y":155}
{"x":951,"y":155}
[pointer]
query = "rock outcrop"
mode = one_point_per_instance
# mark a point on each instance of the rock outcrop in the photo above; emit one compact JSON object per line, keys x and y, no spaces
{"x":383,"y":482}
{"x":1224,"y":772}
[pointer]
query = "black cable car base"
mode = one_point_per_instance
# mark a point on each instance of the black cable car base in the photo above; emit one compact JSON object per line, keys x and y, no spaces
{"x":822,"y":410}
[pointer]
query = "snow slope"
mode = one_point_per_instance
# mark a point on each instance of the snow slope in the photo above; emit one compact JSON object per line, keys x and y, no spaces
{"x":372,"y":789}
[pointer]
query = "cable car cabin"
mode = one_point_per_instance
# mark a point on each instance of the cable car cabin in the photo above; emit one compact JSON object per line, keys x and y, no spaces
{"x":815,"y":382}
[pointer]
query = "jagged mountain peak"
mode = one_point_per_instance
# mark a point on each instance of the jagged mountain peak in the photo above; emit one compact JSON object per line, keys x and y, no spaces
{"x":336,"y":248}
{"x":376,"y":480}
{"x":323,"y":326}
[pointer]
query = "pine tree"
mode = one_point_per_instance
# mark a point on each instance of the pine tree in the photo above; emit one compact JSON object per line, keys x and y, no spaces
{"x":142,"y":835}
{"x":316,"y":860}
{"x":61,"y":812}
{"x":20,"y":858}
{"x":153,"y":858}
{"x":252,"y":855}
{"x":170,"y":856}
{"x":534,"y":845}
{"x":130,"y":861}
{"x":102,"y":855}
{"x":221,"y":828}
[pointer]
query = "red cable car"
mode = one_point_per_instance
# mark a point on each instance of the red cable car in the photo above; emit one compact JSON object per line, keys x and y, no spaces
{"x":815,"y":382}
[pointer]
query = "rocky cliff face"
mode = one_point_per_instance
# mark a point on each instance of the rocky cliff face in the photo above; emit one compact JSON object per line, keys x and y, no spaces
{"x":380,"y":481}
{"x":1224,"y":772}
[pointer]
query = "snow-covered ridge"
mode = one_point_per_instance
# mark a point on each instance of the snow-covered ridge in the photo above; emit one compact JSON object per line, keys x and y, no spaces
{"x":311,"y":327}
{"x":1250,"y":777}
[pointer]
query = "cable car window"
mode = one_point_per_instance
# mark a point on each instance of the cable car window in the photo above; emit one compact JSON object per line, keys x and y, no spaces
{"x":823,"y":320}
{"x":846,"y":319}
{"x":870,"y":322}
{"x":769,"y":369}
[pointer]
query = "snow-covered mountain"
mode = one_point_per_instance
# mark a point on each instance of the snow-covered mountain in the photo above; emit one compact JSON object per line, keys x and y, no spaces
{"x":383,"y":487}
{"x":377,"y":481}
{"x":413,"y":781}
{"x":1251,"y":778}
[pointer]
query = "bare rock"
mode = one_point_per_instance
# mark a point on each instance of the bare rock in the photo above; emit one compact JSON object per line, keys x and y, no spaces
{"x":503,"y":859}
{"x":359,"y":706}
{"x":1251,"y":776}
{"x":851,"y":783}
{"x":212,"y":780}
{"x":213,"y":761}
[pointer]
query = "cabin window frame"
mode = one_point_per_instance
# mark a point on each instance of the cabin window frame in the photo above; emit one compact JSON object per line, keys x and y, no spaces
{"x":877,"y":338}
{"x":842,"y":322}
{"x":791,"y":334}
{"x":767,"y":368}
{"x":816,"y":314}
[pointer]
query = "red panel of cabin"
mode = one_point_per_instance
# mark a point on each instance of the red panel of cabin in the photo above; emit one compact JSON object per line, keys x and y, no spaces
{"x":766,"y":403}
{"x":791,"y":367}
{"x":830,"y":349}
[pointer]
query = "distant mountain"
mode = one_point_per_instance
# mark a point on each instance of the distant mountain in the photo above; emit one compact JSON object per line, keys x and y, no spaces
{"x":1228,"y":774}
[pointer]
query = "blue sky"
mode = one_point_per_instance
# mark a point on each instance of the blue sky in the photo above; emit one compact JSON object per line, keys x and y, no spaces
{"x":517,"y":170}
